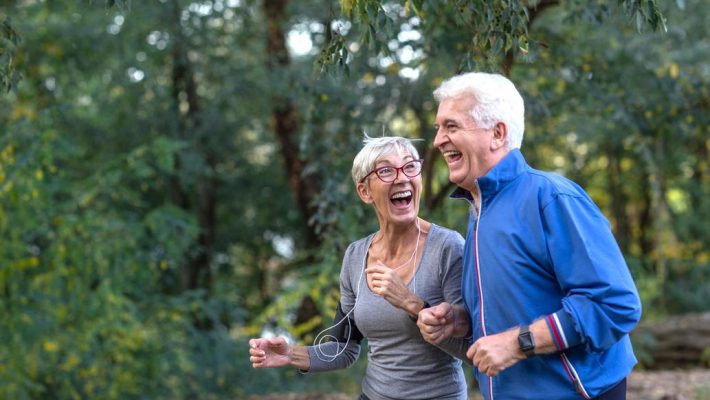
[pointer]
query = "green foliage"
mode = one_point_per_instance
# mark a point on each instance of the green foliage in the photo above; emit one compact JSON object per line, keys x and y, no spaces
{"x":706,"y":357}
{"x":480,"y":32}
{"x":9,"y":40}
{"x":629,"y":121}
{"x":149,"y":222}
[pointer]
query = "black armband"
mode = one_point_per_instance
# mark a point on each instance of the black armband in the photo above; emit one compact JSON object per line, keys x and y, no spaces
{"x":345,"y":328}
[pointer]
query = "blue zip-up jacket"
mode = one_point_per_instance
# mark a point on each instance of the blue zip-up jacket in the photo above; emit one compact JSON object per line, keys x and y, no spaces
{"x":539,"y":247}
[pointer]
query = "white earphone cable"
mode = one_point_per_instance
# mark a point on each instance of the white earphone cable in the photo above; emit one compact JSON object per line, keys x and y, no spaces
{"x":321,"y":338}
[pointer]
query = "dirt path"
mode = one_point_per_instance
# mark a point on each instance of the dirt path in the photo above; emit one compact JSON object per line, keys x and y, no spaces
{"x":670,"y":385}
{"x":642,"y":385}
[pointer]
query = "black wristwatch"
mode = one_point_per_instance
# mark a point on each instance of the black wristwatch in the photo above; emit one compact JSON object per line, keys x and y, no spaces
{"x":526,"y":341}
{"x":414,"y":318}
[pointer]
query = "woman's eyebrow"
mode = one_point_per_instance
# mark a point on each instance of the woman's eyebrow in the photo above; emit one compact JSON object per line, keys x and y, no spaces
{"x":387,"y":163}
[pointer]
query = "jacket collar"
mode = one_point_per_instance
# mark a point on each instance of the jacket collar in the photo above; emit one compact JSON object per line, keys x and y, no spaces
{"x":507,"y":169}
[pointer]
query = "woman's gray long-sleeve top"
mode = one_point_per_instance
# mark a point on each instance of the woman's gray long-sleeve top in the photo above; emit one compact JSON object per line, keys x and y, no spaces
{"x":401,"y":365}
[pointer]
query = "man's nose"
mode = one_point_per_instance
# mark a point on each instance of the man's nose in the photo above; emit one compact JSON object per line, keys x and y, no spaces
{"x":439,"y":138}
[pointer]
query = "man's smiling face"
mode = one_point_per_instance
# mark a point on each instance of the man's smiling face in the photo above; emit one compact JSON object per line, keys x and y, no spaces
{"x":465,"y":146}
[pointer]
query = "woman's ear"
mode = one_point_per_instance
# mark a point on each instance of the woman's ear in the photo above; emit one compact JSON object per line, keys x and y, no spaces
{"x":364,"y":192}
{"x":500,"y":136}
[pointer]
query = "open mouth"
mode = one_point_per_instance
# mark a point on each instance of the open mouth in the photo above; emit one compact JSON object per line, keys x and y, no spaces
{"x":452,"y":156}
{"x":401,"y":199}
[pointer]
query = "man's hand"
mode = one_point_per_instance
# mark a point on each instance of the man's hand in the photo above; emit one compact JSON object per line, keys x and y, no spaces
{"x":436,"y":324}
{"x":269,"y":353}
{"x":494,"y":353}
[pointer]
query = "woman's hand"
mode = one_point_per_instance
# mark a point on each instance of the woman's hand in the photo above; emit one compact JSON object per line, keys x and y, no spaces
{"x":269,"y":353}
{"x":386,"y":283}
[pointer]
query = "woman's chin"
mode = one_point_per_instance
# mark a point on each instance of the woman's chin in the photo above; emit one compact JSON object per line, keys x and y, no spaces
{"x":403,"y":214}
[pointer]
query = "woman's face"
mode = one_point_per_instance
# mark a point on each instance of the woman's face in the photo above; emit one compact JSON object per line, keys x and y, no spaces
{"x":395,"y":202}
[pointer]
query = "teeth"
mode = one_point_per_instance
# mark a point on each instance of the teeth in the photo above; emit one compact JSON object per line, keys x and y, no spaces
{"x":451,"y":153}
{"x":401,"y":195}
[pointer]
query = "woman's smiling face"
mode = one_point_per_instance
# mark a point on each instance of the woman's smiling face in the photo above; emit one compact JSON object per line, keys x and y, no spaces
{"x":397,"y":201}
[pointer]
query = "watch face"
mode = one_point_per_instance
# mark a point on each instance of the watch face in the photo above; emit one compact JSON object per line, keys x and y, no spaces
{"x":526,"y":341}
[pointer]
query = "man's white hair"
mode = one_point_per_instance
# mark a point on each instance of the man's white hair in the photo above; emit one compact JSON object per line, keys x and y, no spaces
{"x":496,"y":99}
{"x":376,"y":148}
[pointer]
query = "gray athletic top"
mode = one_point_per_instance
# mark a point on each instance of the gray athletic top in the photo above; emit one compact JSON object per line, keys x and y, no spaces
{"x":401,"y":365}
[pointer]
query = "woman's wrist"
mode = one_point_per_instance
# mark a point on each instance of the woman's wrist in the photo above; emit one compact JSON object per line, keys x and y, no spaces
{"x":413,"y":305}
{"x":417,"y":306}
{"x":298,"y":357}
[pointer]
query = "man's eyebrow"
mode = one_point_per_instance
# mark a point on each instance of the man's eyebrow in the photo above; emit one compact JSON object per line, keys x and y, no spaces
{"x":447,"y":121}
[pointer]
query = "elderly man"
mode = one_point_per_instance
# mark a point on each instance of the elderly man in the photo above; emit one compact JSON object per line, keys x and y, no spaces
{"x":549,"y":300}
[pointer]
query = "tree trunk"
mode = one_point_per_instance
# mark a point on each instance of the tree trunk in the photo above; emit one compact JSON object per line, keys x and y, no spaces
{"x":618,"y":198}
{"x":285,"y":121}
{"x":196,"y":272}
{"x":653,"y":156}
{"x":645,"y":220}
{"x":305,"y":187}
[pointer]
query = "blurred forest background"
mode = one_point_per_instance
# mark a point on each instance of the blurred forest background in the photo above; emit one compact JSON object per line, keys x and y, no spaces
{"x":174,"y":174}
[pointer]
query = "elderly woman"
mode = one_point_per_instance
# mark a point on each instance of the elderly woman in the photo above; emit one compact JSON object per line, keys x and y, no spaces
{"x":386,"y":279}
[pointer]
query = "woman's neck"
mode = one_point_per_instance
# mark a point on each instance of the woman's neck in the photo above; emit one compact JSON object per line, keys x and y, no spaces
{"x":394,"y":240}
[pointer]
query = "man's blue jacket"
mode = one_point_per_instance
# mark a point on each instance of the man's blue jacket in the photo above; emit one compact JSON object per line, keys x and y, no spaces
{"x":539,"y":247}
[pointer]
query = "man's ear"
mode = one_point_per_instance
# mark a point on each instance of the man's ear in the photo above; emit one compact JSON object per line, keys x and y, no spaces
{"x":500,"y":136}
{"x":364,"y":192}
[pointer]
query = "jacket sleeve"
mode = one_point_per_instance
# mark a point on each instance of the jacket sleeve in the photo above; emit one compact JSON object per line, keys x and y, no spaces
{"x":601,"y":303}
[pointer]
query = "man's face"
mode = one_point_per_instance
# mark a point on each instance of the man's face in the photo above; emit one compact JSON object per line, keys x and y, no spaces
{"x":465,"y":146}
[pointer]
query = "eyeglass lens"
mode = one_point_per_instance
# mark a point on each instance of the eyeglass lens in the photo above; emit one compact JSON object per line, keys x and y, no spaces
{"x":389,"y":174}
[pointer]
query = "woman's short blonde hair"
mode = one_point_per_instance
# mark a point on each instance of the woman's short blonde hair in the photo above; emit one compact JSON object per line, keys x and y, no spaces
{"x":376,"y":148}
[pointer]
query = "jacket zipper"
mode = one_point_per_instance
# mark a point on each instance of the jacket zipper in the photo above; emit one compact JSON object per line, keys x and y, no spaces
{"x":479,"y":209}
{"x":573,"y":376}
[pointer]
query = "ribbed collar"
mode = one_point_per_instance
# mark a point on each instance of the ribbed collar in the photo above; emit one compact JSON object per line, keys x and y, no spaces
{"x":507,"y":169}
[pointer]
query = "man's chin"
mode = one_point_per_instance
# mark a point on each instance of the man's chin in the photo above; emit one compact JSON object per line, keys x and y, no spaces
{"x":455,"y":179}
